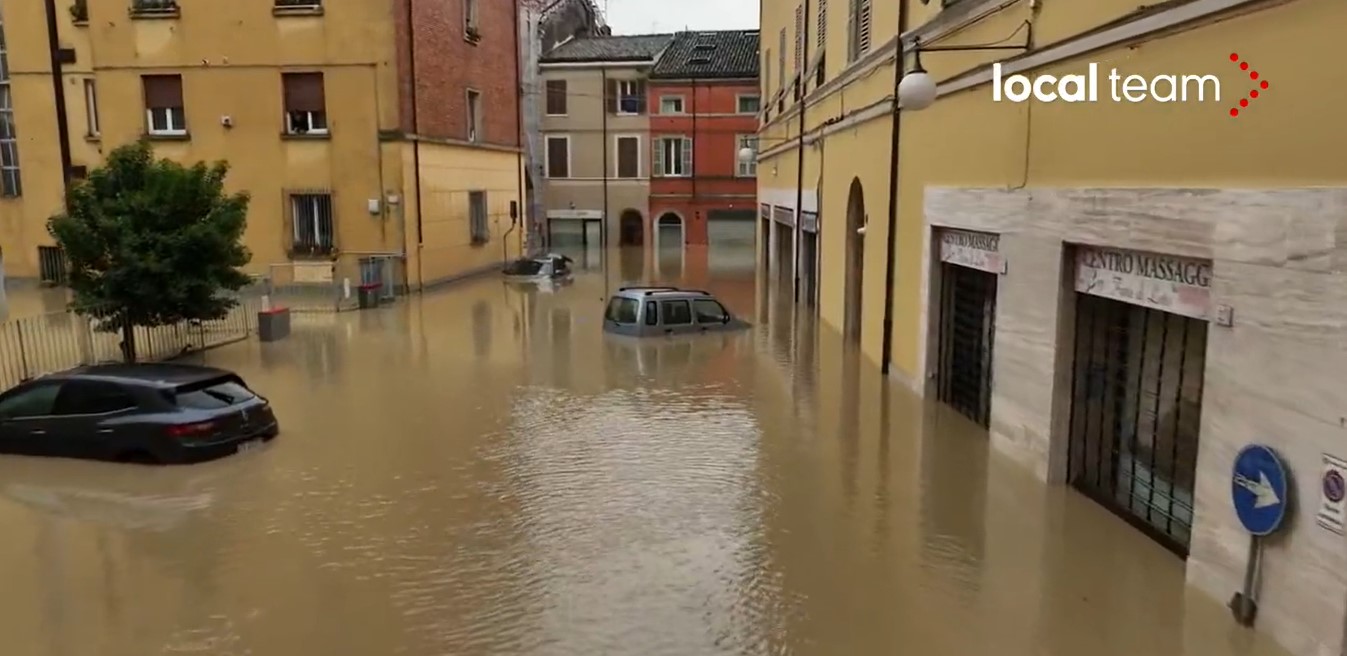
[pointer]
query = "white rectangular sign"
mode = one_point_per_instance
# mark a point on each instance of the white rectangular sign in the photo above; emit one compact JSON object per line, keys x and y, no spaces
{"x":975,"y":250}
{"x":1163,"y":282}
{"x":1332,"y":506}
{"x":575,"y":214}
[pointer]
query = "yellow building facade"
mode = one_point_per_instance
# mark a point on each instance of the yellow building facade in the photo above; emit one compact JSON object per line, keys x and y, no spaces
{"x":1151,"y":271}
{"x":309,"y":102}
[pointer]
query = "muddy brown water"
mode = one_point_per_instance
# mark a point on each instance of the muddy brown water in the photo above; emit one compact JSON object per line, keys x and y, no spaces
{"x":481,"y":471}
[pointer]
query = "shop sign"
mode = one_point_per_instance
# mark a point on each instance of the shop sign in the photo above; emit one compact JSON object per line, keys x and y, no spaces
{"x":575,"y":214}
{"x":784,"y":215}
{"x":975,"y":250}
{"x":1332,"y":491}
{"x":1173,"y":284}
{"x":809,"y":221}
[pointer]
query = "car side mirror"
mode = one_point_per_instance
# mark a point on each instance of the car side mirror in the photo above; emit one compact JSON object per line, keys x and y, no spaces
{"x":726,"y":319}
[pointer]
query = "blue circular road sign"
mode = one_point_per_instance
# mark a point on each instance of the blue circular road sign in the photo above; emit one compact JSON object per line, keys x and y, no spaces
{"x":1258,"y":489}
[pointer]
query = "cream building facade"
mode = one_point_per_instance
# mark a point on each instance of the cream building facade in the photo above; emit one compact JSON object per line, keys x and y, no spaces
{"x":1125,"y":292}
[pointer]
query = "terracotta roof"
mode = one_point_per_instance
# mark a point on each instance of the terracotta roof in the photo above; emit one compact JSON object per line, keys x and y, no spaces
{"x":641,"y":47}
{"x":727,"y":54}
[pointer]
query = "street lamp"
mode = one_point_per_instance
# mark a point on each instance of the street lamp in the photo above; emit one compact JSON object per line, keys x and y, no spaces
{"x":747,"y":155}
{"x":917,"y":89}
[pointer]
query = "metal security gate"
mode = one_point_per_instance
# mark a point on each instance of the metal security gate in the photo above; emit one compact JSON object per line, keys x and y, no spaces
{"x":967,"y":329}
{"x":1136,"y":404}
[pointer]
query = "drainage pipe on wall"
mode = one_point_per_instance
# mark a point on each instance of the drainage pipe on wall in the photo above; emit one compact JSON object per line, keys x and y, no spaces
{"x":57,"y":77}
{"x":890,"y":237}
{"x":803,"y":59}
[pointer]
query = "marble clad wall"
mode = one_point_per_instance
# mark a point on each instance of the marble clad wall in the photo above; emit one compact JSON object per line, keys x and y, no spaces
{"x":1278,"y":376}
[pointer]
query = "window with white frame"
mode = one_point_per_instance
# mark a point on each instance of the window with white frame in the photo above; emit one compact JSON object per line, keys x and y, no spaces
{"x":474,"y":116}
{"x":558,"y":156}
{"x":164,"y":111}
{"x":628,"y":157}
{"x":478,"y":217}
{"x":858,"y":30}
{"x":749,"y":104}
{"x":305,"y":103}
{"x":90,"y":109}
{"x":671,"y":105}
{"x":750,"y":168}
{"x":628,"y":96}
{"x":312,"y":223}
{"x":673,"y":157}
{"x":10,"y":184}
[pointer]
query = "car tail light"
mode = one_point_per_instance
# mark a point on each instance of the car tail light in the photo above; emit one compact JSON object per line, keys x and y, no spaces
{"x":190,"y":430}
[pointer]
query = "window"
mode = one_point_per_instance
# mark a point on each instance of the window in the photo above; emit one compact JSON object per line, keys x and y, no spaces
{"x":673,"y":157}
{"x":622,"y":310}
{"x":556,"y":97}
{"x":822,"y":29}
{"x":477,"y":217}
{"x":52,"y":265}
{"x":558,"y":157}
{"x":10,"y":184}
{"x":676,"y":313}
{"x":305,"y":103}
{"x":87,"y":397}
{"x":91,"y":108}
{"x":749,"y":104}
{"x":471,"y":27}
{"x":474,"y":116}
{"x":312,"y":217}
{"x":750,"y":168}
{"x":626,"y":97}
{"x":858,"y":30}
{"x":214,"y":396}
{"x":799,"y":38}
{"x":36,"y":401}
{"x":767,"y":72}
{"x":671,"y":105}
{"x":781,"y":61}
{"x":651,"y":313}
{"x":709,"y":311}
{"x":163,"y":104}
{"x":628,"y":157}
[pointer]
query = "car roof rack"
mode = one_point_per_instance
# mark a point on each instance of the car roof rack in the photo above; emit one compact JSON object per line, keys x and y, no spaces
{"x":648,"y":289}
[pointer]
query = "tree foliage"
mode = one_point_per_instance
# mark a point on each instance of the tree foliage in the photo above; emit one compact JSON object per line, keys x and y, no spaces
{"x":151,"y":242}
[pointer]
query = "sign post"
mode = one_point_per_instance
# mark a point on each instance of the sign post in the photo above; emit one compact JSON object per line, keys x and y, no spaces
{"x":1260,"y":494}
{"x":1332,"y":495}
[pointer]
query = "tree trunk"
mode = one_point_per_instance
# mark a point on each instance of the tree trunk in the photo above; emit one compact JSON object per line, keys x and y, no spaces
{"x":128,"y":341}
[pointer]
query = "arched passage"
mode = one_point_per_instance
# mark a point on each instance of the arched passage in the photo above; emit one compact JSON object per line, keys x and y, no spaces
{"x":670,"y":235}
{"x":855,"y":266}
{"x":631,"y":228}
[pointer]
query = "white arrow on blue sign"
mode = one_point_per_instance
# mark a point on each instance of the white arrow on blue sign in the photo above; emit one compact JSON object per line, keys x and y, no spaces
{"x":1259,"y":489}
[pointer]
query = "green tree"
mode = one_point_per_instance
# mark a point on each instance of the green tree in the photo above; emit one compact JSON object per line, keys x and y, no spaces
{"x":151,"y":242}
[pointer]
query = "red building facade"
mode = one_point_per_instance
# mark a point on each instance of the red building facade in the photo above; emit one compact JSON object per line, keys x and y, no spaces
{"x":703,"y":99}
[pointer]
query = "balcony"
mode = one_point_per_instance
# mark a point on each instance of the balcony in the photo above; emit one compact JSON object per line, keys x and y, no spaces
{"x":154,"y":8}
{"x":297,"y":8}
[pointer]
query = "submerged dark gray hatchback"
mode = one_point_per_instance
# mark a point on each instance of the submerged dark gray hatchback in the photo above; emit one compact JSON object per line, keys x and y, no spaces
{"x":146,"y":413}
{"x":657,"y":311}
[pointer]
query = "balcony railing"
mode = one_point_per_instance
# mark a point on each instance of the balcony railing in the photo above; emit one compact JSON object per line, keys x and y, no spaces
{"x":154,"y":7}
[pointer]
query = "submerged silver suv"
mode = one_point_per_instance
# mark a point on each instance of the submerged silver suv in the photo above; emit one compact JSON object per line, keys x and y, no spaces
{"x":654,"y":311}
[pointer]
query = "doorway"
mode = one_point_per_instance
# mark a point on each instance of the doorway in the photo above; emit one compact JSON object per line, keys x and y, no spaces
{"x":669,"y":239}
{"x":967,"y":331}
{"x":1135,"y":410}
{"x":580,"y":238}
{"x":855,"y":262}
{"x":631,"y":228}
{"x":809,"y":259}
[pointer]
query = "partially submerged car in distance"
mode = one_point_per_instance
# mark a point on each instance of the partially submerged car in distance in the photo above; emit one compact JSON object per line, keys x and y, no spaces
{"x":543,"y":267}
{"x":659,"y":311}
{"x":143,"y":413}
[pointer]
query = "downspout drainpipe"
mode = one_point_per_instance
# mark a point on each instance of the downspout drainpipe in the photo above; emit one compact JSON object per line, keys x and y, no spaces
{"x":57,"y":76}
{"x":891,"y":247}
{"x":520,"y":211}
{"x":416,"y":145}
{"x":799,"y":165}
{"x":603,"y":225}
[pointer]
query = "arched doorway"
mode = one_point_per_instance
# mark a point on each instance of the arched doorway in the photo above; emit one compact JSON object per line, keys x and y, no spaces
{"x":670,"y":235}
{"x":855,"y":270}
{"x":631,"y":228}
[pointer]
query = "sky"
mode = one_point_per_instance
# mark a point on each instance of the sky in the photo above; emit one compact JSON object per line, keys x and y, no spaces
{"x":647,"y":16}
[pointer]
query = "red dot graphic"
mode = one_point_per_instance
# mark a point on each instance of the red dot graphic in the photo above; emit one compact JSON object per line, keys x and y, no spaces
{"x":1253,"y":94}
{"x":1253,"y":75}
{"x":1244,"y":66}
{"x":1263,"y":84}
{"x":1234,"y":112}
{"x":1234,"y":56}
{"x":1243,"y":102}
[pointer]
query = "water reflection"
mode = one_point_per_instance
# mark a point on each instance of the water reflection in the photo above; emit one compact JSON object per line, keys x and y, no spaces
{"x":481,"y":470}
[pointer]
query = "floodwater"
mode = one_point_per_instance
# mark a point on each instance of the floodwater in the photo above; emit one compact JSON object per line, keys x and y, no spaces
{"x":481,"y":471}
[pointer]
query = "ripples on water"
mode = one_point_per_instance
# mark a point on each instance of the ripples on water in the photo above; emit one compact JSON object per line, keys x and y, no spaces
{"x":480,"y":471}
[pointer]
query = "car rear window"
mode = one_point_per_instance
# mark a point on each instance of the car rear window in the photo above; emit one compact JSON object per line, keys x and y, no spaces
{"x":214,"y":395}
{"x":622,"y":310}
